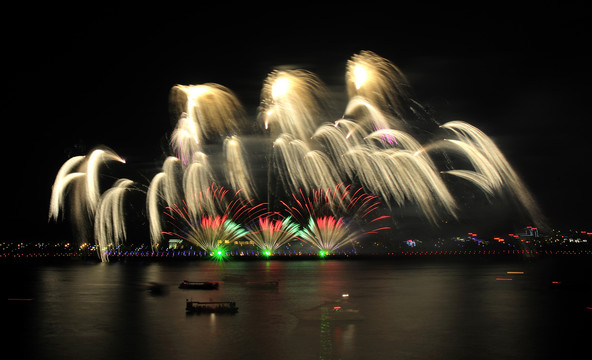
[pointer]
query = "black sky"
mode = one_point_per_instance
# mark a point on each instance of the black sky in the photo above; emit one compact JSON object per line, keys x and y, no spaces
{"x":79,"y":78}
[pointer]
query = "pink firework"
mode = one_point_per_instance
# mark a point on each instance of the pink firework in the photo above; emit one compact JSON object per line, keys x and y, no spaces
{"x":207,"y":220}
{"x":270,"y":234}
{"x":332,"y":218}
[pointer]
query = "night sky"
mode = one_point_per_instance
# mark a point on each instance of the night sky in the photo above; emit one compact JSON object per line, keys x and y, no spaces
{"x":79,"y":78}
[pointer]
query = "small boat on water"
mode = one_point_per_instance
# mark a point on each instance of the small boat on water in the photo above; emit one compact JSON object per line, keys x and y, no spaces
{"x":211,"y":307}
{"x":202,"y":285}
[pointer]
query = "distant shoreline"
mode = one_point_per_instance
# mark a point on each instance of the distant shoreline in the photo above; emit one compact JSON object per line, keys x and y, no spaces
{"x":181,"y":256}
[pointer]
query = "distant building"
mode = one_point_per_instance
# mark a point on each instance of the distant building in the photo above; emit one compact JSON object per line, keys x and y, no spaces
{"x":175,"y":243}
{"x":530,"y":232}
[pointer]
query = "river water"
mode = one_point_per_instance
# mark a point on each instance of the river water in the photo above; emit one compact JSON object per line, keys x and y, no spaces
{"x":404,"y":309}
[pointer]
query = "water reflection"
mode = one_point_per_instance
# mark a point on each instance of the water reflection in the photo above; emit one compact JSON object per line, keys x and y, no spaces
{"x":410,"y":309}
{"x":326,"y":335}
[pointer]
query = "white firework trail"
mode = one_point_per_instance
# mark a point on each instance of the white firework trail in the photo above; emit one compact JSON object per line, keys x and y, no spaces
{"x":63,"y":178}
{"x":96,"y":158}
{"x":294,"y":102}
{"x":109,"y":218}
{"x":237,"y":169}
{"x":153,"y":197}
{"x":379,"y":81}
{"x":489,"y":161}
{"x":205,"y":111}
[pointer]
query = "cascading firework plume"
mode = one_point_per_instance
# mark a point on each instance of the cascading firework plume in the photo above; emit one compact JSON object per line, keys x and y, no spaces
{"x":493,"y":172}
{"x":198,"y":176}
{"x":109,"y":220}
{"x":374,"y":79}
{"x":164,"y":186}
{"x":95,"y":159}
{"x":204,"y":111}
{"x":237,"y":171}
{"x":63,"y":178}
{"x":405,"y":177}
{"x":152,"y":201}
{"x":293,"y":102}
{"x":371,"y":118}
{"x":81,"y":175}
{"x":300,"y":167}
{"x":389,"y":163}
{"x":339,"y":138}
{"x":172,"y":167}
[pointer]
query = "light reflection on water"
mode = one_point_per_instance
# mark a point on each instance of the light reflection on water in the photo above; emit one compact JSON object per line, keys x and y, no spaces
{"x":411,"y":309}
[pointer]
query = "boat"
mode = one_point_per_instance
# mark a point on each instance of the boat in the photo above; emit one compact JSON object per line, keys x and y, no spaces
{"x":211,"y":307}
{"x":202,"y":285}
{"x":263,"y":284}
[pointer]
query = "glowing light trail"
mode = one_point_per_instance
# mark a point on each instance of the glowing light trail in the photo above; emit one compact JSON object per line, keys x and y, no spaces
{"x":63,"y":178}
{"x":293,"y":102}
{"x":379,"y":81}
{"x":237,"y":170}
{"x":492,"y":165}
{"x":204,"y":111}
{"x":109,"y":220}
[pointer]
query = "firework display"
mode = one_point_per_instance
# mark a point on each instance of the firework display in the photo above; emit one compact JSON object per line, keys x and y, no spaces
{"x":328,"y":183}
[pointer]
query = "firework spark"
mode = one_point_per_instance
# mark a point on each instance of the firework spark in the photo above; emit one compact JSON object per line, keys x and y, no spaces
{"x":206,"y":229}
{"x":270,"y":234}
{"x":332,"y":218}
{"x":328,"y":233}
